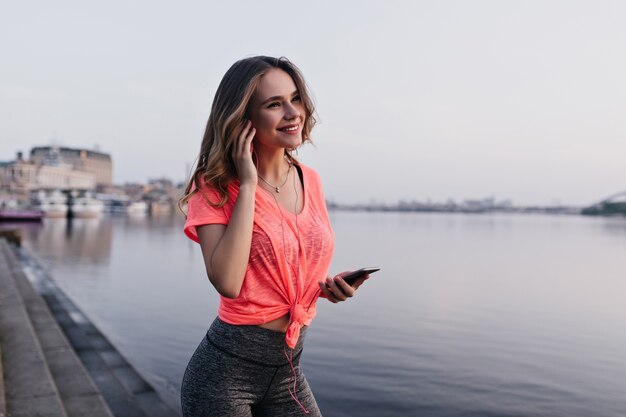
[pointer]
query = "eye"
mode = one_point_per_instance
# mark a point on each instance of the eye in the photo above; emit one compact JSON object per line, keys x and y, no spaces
{"x":296,"y":98}
{"x":273,"y":104}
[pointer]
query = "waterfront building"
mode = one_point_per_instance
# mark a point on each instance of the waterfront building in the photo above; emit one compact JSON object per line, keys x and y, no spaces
{"x":95,"y":162}
{"x":22,"y":176}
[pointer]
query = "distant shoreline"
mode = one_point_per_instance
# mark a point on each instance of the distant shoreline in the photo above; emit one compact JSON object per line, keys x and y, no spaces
{"x":423,"y":208}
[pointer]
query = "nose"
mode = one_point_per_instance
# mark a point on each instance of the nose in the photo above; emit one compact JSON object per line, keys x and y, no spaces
{"x":292,"y":111}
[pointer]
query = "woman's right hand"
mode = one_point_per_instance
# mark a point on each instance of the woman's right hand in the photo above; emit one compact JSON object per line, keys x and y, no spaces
{"x":242,"y":155}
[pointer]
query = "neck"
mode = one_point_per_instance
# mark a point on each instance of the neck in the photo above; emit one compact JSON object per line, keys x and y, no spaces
{"x":272,"y":166}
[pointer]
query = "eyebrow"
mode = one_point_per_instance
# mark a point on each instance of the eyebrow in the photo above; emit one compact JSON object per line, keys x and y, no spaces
{"x":267,"y":100}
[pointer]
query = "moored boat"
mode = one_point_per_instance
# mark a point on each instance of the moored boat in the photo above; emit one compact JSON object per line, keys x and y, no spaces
{"x":86,"y":207}
{"x":17,"y":215}
{"x":52,"y":204}
{"x":137,"y":208}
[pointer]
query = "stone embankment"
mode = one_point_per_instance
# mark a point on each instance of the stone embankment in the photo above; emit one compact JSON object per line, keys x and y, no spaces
{"x":53,"y":361}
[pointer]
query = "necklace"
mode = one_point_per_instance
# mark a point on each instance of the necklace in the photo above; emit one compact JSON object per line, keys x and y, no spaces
{"x":277,"y":188}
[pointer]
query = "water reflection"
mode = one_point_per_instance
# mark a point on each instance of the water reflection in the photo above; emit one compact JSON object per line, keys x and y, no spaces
{"x":75,"y":240}
{"x":88,"y":241}
{"x":159,"y":221}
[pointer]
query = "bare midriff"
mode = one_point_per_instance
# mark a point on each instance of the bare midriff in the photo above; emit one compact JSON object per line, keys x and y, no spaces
{"x":279,"y":325}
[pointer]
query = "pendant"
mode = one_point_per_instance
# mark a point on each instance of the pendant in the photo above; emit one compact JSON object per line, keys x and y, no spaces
{"x":277,"y":190}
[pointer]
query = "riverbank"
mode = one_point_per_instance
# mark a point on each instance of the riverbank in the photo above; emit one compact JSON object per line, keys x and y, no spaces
{"x":53,"y":361}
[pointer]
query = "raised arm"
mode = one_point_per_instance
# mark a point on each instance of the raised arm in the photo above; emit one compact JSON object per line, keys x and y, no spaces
{"x":226,"y":248}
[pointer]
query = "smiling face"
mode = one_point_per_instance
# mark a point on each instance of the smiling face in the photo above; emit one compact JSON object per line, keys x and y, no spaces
{"x":277,"y":112}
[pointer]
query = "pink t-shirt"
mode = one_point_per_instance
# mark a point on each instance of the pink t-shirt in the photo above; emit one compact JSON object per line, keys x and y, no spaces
{"x":269,"y":287}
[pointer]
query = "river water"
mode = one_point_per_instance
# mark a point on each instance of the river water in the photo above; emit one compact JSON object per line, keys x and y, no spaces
{"x":471,"y":315}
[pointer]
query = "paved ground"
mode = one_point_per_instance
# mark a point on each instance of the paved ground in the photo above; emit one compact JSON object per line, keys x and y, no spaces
{"x":54,"y":361}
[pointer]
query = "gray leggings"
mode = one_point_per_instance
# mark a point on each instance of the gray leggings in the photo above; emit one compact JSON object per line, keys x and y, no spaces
{"x":242,"y":371}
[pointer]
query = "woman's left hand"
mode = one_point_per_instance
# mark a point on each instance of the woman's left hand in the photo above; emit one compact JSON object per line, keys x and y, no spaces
{"x":336,"y":289}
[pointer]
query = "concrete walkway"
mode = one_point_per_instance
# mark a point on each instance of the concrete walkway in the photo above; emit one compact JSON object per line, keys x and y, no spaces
{"x":54,"y":362}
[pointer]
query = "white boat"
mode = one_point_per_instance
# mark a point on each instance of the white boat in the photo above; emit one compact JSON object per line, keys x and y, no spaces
{"x":53,"y":204}
{"x":137,"y":208}
{"x":114,"y":203}
{"x":87,"y":207}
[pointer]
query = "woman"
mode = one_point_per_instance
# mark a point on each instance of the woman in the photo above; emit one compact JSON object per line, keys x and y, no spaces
{"x":261,"y":221}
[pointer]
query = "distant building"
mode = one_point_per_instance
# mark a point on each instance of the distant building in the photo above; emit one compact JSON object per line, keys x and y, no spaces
{"x":22,"y":176}
{"x":53,"y":167}
{"x":97,"y":163}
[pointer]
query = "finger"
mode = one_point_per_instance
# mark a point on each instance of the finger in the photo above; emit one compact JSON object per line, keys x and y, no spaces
{"x":248,"y":141}
{"x":334,"y":288}
{"x":242,"y":137}
{"x":329,"y":295}
{"x":326,"y":290}
{"x":344,"y":287}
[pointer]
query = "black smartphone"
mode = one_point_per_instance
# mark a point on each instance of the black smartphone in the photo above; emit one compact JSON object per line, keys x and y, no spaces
{"x":353,"y":276}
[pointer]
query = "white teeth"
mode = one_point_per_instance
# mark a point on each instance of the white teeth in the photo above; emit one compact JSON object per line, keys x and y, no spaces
{"x":290,"y":129}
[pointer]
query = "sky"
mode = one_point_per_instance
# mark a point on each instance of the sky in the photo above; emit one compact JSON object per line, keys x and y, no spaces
{"x":417,"y":100}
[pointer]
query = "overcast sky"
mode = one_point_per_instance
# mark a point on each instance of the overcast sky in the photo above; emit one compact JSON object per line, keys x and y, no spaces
{"x":420,"y":100}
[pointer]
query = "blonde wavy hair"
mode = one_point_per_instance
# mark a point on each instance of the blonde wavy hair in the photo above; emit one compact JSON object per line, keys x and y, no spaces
{"x":215,"y":165}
